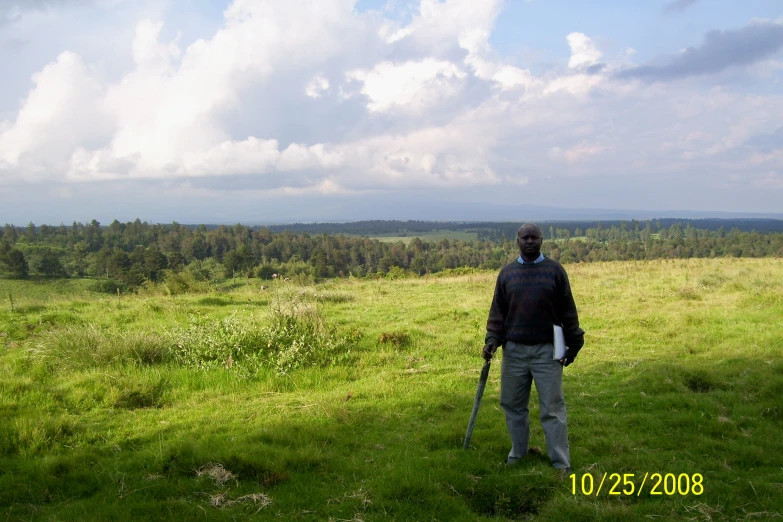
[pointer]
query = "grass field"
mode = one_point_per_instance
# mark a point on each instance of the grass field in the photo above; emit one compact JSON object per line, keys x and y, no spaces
{"x":433,"y":236}
{"x":349,"y":400}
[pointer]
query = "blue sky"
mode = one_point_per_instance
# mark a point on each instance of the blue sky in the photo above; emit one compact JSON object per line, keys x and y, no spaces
{"x":272,"y":110}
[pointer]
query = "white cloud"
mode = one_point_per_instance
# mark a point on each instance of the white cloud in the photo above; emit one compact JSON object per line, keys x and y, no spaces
{"x":148,"y":52}
{"x":167,"y":111}
{"x":250,"y":156}
{"x":584,"y":53}
{"x":439,"y":25}
{"x":577,"y":84}
{"x":61,"y":112}
{"x":509,"y":77}
{"x":317,"y":86}
{"x":411,"y":85}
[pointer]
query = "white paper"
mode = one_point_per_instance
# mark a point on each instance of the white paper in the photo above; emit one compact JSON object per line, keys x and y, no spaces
{"x":559,"y":342}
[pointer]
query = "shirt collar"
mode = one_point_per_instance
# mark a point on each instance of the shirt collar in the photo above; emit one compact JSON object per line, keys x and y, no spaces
{"x":538,"y":260}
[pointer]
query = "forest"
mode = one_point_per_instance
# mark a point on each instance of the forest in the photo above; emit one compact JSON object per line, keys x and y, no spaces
{"x":124,"y":256}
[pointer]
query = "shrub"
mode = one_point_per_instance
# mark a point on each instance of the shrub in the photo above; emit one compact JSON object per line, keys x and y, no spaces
{"x":214,"y":344}
{"x":688,"y":293}
{"x":207,"y":270}
{"x":293,"y":336}
{"x":397,"y":272}
{"x":298,"y":337}
{"x":109,"y":286}
{"x":266,"y":271}
{"x":183,"y":282}
{"x":396,"y":339}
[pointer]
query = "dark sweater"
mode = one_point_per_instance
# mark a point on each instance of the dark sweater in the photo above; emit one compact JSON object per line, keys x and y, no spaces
{"x":529,"y":299}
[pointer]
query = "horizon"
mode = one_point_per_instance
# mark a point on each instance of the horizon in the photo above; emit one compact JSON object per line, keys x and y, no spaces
{"x":739,"y":217}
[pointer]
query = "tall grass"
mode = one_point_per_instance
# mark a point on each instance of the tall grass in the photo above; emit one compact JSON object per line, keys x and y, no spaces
{"x":89,"y":346}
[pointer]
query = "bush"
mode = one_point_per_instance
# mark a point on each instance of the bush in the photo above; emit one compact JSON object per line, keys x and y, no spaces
{"x":397,"y":272}
{"x":183,"y":282}
{"x":293,"y":336}
{"x":109,"y":286}
{"x":266,"y":271}
{"x":206,"y":270}
{"x":460,"y":271}
{"x":396,"y":339}
{"x":206,"y":345}
{"x":298,"y":337}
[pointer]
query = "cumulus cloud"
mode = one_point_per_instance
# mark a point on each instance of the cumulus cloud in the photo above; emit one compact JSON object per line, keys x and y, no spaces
{"x":412,"y":85}
{"x":59,"y":114}
{"x":584,"y":53}
{"x":166,"y":115}
{"x":442,"y":24}
{"x":720,"y":50}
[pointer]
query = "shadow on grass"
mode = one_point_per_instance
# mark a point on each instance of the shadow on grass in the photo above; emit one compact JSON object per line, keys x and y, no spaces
{"x":402,"y":458}
{"x":215,"y":301}
{"x":29,"y":309}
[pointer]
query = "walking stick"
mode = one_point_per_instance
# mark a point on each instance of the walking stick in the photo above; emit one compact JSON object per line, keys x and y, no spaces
{"x":479,"y":392}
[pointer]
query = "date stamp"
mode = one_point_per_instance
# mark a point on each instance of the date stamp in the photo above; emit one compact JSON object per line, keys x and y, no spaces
{"x":626,"y":484}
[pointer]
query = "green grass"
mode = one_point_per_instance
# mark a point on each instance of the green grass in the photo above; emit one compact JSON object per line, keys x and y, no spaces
{"x":432,"y":236}
{"x":681,"y":373}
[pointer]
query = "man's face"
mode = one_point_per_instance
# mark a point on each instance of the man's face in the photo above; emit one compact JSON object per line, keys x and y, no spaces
{"x":529,"y":241}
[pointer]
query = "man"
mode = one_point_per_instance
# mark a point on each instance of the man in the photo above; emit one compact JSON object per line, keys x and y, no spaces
{"x":531,"y":295}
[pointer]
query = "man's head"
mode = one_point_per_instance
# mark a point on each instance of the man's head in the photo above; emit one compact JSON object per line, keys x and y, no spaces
{"x":529,"y":241}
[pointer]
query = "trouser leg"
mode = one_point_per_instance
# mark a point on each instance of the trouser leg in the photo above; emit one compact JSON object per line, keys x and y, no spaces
{"x":515,"y":382}
{"x":548,"y":376}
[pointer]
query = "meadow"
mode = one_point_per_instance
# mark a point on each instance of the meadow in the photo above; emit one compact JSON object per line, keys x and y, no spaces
{"x":432,"y":236}
{"x":349,"y":400}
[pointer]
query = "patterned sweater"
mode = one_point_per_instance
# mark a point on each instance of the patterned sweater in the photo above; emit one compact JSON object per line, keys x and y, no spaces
{"x":529,"y":299}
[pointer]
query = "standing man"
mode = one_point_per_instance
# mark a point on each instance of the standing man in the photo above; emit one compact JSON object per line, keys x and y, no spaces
{"x":531,"y":295}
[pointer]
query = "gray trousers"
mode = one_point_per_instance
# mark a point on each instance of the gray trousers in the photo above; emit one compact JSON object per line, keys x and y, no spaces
{"x":523,"y":364}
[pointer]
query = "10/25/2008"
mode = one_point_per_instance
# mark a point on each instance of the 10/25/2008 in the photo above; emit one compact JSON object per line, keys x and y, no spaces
{"x":625,"y":484}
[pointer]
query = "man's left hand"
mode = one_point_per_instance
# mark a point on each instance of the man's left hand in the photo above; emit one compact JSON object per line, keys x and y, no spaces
{"x":568,"y":359}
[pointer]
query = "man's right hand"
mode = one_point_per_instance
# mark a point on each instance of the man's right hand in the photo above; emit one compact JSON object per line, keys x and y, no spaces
{"x":489,"y":350}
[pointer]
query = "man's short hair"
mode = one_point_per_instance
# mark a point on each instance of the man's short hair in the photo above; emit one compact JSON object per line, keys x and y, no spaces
{"x":538,"y":229}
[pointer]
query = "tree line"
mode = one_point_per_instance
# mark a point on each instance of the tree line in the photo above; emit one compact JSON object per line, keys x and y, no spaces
{"x":129,"y":254}
{"x":499,"y":230}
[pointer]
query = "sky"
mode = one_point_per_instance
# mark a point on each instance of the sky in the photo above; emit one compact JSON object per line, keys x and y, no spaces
{"x":277,"y":111}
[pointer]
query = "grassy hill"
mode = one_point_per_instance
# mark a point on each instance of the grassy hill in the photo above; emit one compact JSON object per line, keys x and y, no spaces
{"x":349,"y":400}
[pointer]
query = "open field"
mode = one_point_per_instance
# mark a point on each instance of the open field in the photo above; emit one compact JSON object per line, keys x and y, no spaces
{"x":434,"y":236}
{"x":348,"y":400}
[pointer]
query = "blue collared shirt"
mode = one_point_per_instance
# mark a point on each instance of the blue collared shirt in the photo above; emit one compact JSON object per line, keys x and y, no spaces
{"x":538,"y":260}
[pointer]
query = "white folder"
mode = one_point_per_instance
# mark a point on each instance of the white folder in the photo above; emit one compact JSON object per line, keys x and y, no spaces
{"x":559,"y":342}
